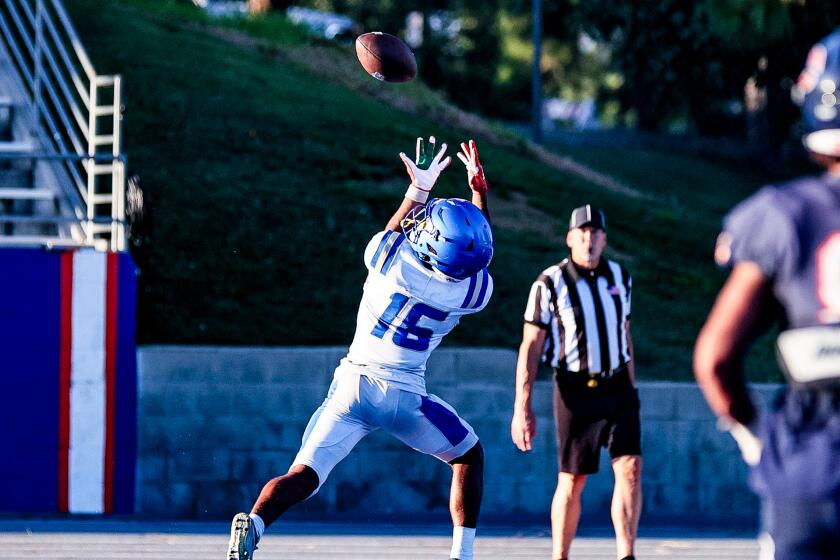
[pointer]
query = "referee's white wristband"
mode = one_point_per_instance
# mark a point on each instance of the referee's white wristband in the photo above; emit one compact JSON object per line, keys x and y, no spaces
{"x":417,"y":193}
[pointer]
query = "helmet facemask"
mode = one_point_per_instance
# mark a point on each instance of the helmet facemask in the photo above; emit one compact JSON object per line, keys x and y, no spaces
{"x":416,"y":226}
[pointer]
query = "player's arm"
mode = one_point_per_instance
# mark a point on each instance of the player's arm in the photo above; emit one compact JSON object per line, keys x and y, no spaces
{"x":423,"y":172}
{"x":475,"y":176}
{"x":722,"y":344}
{"x":480,"y":200}
{"x":523,"y":427}
{"x":407,"y":205}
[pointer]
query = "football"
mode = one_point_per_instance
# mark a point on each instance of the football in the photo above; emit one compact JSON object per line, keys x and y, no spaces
{"x":385,"y":57}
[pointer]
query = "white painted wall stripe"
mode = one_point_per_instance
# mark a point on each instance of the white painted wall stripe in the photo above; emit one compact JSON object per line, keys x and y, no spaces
{"x":87,"y":384}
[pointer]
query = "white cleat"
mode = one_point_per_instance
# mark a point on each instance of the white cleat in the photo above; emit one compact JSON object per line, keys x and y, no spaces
{"x":243,"y":539}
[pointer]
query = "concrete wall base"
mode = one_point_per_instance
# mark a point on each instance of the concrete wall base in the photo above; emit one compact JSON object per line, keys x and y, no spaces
{"x":216,"y":423}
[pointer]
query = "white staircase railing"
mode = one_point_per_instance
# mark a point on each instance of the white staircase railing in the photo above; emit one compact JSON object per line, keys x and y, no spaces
{"x":78,"y":112}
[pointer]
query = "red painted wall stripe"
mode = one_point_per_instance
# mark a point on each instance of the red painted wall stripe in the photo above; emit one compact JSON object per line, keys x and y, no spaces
{"x":65,"y":342}
{"x":111,"y":306}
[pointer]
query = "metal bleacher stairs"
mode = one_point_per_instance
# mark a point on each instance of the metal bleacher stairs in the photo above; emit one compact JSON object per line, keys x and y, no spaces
{"x":62,"y":169}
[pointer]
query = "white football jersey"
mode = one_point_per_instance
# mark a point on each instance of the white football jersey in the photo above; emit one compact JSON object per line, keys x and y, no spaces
{"x":405,"y":312}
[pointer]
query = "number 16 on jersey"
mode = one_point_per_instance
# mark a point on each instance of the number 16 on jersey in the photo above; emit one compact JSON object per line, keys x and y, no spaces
{"x":408,"y":334}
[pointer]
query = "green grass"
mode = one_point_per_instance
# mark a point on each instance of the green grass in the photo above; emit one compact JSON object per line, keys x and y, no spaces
{"x":265,"y":180}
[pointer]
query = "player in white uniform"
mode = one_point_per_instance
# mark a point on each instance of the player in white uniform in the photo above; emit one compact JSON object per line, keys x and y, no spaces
{"x":425,"y":271}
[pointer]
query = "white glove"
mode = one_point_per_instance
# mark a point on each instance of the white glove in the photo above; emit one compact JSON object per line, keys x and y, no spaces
{"x":747,"y":441}
{"x":425,"y":170}
{"x":475,"y":172}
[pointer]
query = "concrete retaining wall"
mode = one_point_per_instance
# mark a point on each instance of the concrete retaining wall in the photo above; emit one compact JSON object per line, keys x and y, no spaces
{"x":217,"y":423}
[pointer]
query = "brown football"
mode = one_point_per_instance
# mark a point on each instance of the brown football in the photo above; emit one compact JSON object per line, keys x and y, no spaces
{"x":385,"y":57}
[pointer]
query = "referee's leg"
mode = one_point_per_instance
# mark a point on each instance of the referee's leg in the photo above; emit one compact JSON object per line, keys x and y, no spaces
{"x":627,"y":502}
{"x":565,"y":513}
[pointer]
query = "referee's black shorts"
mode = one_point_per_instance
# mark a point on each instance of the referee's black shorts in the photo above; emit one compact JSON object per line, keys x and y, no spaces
{"x":589,"y":418}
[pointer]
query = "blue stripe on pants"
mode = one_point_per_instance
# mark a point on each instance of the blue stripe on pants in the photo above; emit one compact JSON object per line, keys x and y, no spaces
{"x":444,"y":420}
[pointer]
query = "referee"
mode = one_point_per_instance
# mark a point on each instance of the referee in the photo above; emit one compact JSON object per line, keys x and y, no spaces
{"x":578,"y":321}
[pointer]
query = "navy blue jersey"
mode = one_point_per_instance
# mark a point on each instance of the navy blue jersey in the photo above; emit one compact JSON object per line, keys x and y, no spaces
{"x":792,"y":232}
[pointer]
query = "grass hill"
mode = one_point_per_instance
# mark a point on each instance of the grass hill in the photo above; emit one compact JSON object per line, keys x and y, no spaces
{"x":268,"y":160}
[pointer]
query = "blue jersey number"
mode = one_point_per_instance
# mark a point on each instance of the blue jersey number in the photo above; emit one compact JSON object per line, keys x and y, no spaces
{"x":408,"y":334}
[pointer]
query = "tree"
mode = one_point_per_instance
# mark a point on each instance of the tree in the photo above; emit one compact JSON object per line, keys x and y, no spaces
{"x":690,"y":60}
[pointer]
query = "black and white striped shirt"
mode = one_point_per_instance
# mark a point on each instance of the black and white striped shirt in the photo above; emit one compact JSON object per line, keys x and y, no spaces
{"x":584,"y":313}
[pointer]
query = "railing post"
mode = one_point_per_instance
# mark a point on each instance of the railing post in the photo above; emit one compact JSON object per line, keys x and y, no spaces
{"x":118,"y":233}
{"x":90,"y":163}
{"x":119,"y":219}
{"x":38,"y":64}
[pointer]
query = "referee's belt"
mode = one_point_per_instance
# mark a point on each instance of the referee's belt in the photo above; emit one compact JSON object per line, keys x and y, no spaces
{"x":592,"y":378}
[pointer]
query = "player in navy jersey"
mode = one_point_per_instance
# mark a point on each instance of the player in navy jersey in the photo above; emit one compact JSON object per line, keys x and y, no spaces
{"x":426,"y":270}
{"x":784,"y":246}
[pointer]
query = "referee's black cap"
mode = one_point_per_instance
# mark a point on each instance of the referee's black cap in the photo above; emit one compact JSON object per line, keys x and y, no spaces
{"x":588,"y":215}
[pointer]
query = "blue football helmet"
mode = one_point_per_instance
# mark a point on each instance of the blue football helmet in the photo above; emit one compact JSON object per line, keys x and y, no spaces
{"x":450,"y":235}
{"x":818,"y":92}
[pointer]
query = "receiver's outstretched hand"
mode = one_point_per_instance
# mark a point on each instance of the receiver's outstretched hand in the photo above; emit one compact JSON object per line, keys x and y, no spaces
{"x":426,"y":168}
{"x":475,"y":172}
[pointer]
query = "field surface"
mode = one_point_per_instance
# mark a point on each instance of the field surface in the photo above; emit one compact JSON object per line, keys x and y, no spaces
{"x":115,"y":540}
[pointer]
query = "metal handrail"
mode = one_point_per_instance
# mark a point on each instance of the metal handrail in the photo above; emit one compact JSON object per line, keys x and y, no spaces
{"x":74,"y":39}
{"x":49,"y":220}
{"x":64,"y":93}
{"x":56,"y":133}
{"x":64,"y":156}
